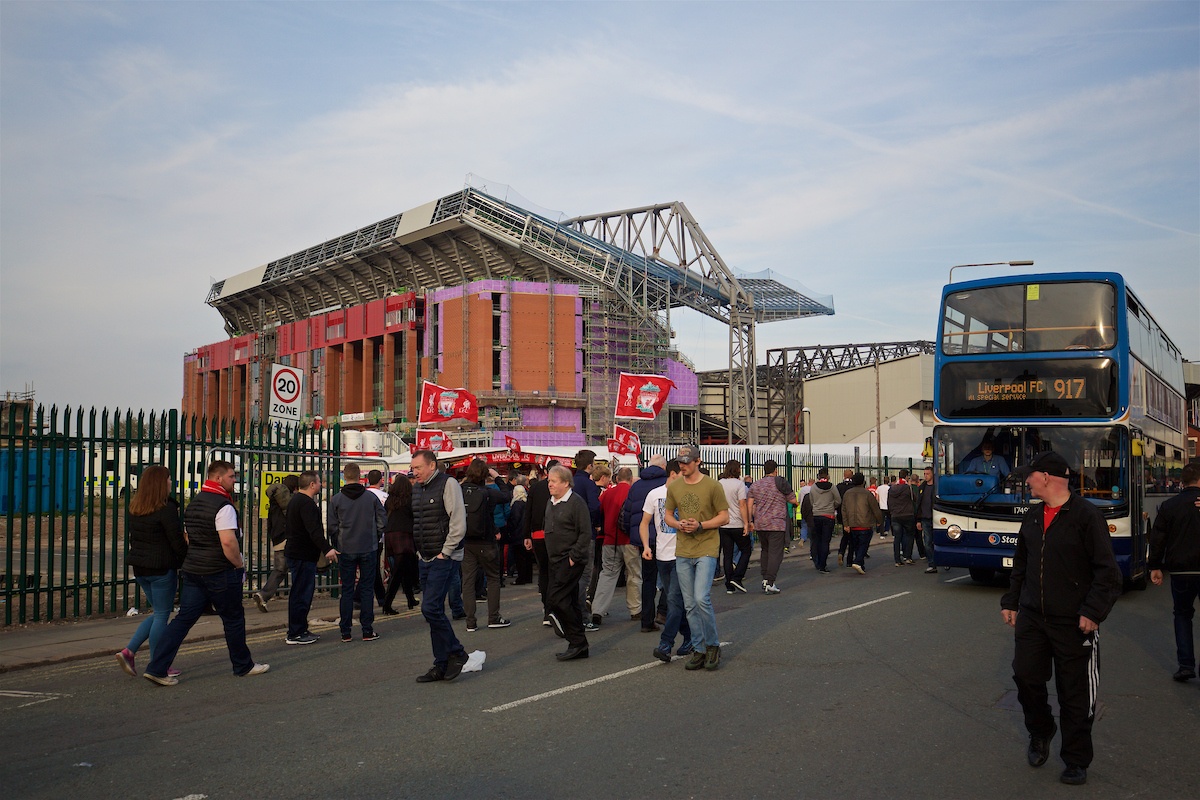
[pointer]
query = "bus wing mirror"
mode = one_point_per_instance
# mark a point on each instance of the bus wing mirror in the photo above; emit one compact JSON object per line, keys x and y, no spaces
{"x":1136,"y":448}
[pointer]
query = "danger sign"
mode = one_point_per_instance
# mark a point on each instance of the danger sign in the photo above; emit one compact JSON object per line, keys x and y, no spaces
{"x":287,"y":384}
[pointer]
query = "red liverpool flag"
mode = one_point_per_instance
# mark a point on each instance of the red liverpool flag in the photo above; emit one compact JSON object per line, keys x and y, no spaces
{"x":628,"y":439}
{"x":619,"y":448}
{"x":641,"y":396}
{"x":437,"y":441}
{"x":512,"y":444}
{"x":439,"y":404}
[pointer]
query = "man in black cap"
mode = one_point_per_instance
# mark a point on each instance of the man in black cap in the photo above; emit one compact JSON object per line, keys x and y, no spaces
{"x":1064,"y":582}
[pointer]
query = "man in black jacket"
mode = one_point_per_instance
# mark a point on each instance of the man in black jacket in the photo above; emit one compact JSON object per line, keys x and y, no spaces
{"x":649,"y":479}
{"x":1175,"y":548}
{"x":303,"y":545}
{"x":535,"y":533}
{"x":1064,"y":582}
{"x":568,"y":545}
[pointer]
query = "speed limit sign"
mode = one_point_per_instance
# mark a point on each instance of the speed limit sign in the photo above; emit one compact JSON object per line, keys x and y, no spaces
{"x":287,"y":384}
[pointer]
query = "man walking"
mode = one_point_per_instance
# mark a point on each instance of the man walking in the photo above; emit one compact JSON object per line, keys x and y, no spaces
{"x":696,"y":508}
{"x":649,"y":479}
{"x":925,"y":520}
{"x":212,"y":573}
{"x":903,"y":507}
{"x":653,"y":513}
{"x":616,"y":551}
{"x":568,"y":545}
{"x":356,"y":521}
{"x":1064,"y":582}
{"x":279,"y":495}
{"x":1175,"y":548}
{"x":439,"y":524}
{"x":860,"y":516}
{"x":825,"y":501}
{"x":735,"y":535}
{"x":303,"y":545}
{"x":767,"y":505}
{"x":844,"y":546}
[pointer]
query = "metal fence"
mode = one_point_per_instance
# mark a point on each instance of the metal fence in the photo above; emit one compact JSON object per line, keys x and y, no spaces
{"x":66,"y":479}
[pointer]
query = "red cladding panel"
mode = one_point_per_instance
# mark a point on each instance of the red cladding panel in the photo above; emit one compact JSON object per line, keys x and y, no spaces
{"x":355,"y":329}
{"x":374,"y":321}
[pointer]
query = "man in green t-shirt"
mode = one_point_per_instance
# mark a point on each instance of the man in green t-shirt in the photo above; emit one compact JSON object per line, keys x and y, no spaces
{"x":696,"y":507}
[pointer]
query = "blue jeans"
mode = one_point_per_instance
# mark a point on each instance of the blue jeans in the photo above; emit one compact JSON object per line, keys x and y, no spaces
{"x":365,"y":564}
{"x":224,"y":590}
{"x":454,"y":590}
{"x":436,"y":576}
{"x":676,"y":618}
{"x":822,"y":535}
{"x":160,"y":591}
{"x":304,"y":583}
{"x":695,"y":584}
{"x":1184,"y":591}
{"x":861,"y":540}
{"x":926,"y":533}
{"x":903,"y":531}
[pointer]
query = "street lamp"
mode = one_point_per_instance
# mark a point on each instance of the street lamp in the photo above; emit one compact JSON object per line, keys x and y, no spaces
{"x":991,"y":264}
{"x":808,"y":431}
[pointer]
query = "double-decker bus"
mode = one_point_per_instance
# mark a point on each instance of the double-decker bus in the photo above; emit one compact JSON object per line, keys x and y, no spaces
{"x":1069,"y":362}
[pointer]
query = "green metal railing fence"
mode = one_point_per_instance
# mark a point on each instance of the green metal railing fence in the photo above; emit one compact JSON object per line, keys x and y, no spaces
{"x":66,"y":479}
{"x":792,"y":465}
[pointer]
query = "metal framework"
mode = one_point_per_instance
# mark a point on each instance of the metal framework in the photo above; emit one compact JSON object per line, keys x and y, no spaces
{"x":642,"y":262}
{"x":788,"y":368}
{"x":667,"y":234}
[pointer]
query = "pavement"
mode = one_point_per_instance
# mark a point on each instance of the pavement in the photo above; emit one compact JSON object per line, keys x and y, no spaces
{"x":42,"y":643}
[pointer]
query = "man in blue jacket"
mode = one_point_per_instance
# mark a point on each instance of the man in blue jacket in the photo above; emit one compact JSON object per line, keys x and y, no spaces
{"x":649,"y":479}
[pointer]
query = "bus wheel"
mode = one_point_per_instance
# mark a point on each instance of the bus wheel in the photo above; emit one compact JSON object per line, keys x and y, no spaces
{"x":982,"y":575}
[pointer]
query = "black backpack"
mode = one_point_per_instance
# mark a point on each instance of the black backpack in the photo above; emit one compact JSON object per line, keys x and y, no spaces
{"x":480,"y":522}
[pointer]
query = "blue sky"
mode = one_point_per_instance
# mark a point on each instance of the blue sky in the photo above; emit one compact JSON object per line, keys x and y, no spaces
{"x":860,"y":149}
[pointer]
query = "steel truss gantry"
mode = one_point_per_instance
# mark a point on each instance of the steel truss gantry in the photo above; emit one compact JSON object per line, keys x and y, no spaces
{"x":789,"y":367}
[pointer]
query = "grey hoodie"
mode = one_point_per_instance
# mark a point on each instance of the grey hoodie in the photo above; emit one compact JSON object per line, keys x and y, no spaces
{"x":825,"y":498}
{"x":355,"y":520}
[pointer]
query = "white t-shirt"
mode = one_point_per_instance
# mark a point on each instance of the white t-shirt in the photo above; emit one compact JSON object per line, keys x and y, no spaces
{"x":735,"y":491}
{"x":881,"y":493}
{"x":656,"y":505}
{"x":380,"y":493}
{"x":227,"y":520}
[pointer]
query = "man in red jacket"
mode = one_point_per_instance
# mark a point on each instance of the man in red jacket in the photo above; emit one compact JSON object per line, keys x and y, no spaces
{"x":616,"y":551}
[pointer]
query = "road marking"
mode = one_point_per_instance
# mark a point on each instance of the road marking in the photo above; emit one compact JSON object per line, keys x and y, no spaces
{"x":959,"y":578}
{"x":573,"y":687}
{"x":860,"y":605}
{"x":33,"y":697}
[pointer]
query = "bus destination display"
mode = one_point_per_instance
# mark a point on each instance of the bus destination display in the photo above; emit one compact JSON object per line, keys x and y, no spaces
{"x":1018,"y":389}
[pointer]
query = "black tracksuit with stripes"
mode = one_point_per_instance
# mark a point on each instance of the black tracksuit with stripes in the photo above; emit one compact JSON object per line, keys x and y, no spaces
{"x":1060,"y":574}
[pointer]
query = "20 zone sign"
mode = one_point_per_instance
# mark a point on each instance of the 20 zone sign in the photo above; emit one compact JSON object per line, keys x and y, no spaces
{"x":286,"y":385}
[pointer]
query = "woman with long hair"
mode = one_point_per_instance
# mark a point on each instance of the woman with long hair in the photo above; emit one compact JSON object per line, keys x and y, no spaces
{"x":156,"y":551}
{"x":398,"y":543}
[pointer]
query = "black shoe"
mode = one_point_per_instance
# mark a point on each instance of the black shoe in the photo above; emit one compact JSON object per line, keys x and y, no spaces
{"x":572,"y":653}
{"x":454,"y":664}
{"x":370,"y":637}
{"x":1184,"y":674}
{"x":434,"y":674}
{"x":651,"y":629}
{"x":413,"y":604}
{"x":1075,"y":776}
{"x":459,"y":616}
{"x":1039,"y":750}
{"x":597,"y":619}
{"x":389,"y":611}
{"x":662,"y":655}
{"x":558,"y":628}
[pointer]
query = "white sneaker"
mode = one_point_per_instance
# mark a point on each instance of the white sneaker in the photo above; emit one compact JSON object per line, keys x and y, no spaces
{"x":257,"y":669}
{"x":772,"y":589}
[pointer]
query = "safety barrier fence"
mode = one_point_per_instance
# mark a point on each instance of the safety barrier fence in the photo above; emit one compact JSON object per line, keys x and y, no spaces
{"x":66,"y":479}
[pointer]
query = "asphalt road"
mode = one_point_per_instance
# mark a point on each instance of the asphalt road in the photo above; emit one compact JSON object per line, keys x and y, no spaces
{"x":909,"y":696}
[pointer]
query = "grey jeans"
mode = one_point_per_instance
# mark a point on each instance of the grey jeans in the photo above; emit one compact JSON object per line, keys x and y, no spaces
{"x":770,"y":553}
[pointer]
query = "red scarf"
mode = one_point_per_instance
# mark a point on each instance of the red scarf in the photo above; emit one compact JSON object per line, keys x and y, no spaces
{"x":216,"y":488}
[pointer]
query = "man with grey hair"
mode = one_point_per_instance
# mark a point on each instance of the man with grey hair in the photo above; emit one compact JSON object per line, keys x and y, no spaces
{"x":568,"y":545}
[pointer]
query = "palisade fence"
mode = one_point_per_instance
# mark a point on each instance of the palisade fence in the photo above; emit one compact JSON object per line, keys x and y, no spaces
{"x":66,"y":480}
{"x":795,"y":463}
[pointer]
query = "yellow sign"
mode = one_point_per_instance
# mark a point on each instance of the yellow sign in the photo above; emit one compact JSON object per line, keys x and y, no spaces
{"x":1033,"y":291}
{"x":267,"y":479}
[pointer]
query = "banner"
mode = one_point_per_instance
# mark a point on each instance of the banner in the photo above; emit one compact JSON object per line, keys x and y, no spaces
{"x":512,"y":444}
{"x":641,"y":396}
{"x":439,"y":404}
{"x":429,"y":439}
{"x":630,"y":441}
{"x":618,"y":448}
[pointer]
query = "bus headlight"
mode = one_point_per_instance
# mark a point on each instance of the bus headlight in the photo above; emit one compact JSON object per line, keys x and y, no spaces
{"x":954,"y":532}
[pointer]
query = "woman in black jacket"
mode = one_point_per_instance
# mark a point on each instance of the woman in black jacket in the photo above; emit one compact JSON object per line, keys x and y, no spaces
{"x":398,"y":544}
{"x":156,"y":551}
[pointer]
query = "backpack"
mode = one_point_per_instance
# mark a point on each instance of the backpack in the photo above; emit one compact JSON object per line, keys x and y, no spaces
{"x":480,"y":523}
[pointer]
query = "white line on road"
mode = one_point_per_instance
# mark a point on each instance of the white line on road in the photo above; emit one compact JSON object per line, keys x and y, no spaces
{"x":860,"y":605}
{"x":959,"y":578}
{"x":33,"y":697}
{"x":574,"y":686}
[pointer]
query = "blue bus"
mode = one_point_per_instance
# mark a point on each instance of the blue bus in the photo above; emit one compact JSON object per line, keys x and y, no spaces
{"x":1070,"y":362}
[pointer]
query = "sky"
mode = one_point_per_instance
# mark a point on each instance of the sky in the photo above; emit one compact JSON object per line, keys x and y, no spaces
{"x":859,"y":149}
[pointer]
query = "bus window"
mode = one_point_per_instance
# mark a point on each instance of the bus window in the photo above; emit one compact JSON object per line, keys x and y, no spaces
{"x":1034,"y":317}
